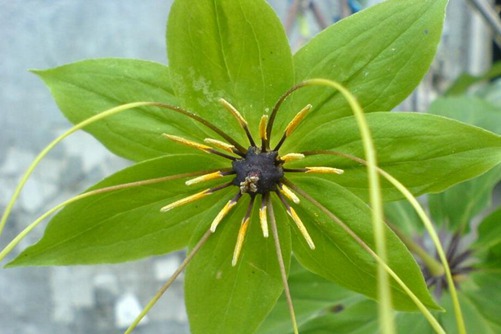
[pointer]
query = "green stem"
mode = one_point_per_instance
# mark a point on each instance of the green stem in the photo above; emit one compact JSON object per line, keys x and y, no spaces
{"x":49,"y":147}
{"x":385,"y":301}
{"x":169,"y":282}
{"x":440,"y":251}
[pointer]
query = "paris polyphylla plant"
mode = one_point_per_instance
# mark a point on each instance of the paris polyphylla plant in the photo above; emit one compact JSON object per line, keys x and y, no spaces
{"x":229,"y":64}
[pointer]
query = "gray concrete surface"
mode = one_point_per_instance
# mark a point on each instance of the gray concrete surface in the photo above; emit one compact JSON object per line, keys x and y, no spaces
{"x":81,"y":299}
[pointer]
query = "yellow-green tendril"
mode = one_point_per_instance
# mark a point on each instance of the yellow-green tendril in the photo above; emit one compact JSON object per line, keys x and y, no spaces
{"x":385,"y":304}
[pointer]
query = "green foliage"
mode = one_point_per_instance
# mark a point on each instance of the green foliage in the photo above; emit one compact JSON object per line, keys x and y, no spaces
{"x":237,"y":50}
{"x":86,"y":88}
{"x":455,"y":211}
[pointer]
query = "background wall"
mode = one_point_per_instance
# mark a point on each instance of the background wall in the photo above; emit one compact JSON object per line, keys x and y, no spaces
{"x":43,"y":34}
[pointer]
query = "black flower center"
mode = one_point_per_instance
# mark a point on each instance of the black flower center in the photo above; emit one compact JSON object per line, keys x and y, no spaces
{"x":258,"y":172}
{"x":460,"y":264}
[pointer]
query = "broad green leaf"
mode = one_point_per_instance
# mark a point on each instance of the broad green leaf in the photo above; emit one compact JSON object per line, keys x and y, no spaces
{"x":127,"y":224}
{"x":379,"y":54}
{"x":86,"y":88}
{"x":224,"y":299}
{"x":449,"y":208}
{"x":312,"y":296}
{"x":427,"y":153}
{"x":339,"y":258}
{"x":231,"y":49}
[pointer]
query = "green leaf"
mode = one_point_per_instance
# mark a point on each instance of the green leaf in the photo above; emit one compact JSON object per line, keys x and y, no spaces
{"x":426,"y":153}
{"x":88,"y":87}
{"x":449,"y":208}
{"x":379,"y":54}
{"x":312,"y":296}
{"x":127,"y":224}
{"x":339,"y":258}
{"x":231,"y":49}
{"x":224,"y":299}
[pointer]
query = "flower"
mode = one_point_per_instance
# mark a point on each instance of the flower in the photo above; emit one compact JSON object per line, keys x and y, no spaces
{"x":259,"y":170}
{"x":237,"y":51}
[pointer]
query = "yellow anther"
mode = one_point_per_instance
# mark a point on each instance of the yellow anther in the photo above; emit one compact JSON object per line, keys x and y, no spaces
{"x":234,"y":112}
{"x":262,"y":127}
{"x":324,"y":170}
{"x":206,"y":177}
{"x":240,"y":240}
{"x":186,"y":200}
{"x":263,"y":219}
{"x":220,"y":144}
{"x":187,"y":142}
{"x":301,"y":227}
{"x":292,"y":157}
{"x":297,"y":119}
{"x":224,"y":211}
{"x":287,"y":192}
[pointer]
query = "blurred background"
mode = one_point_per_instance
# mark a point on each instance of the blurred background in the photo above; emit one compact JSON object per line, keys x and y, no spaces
{"x":39,"y":34}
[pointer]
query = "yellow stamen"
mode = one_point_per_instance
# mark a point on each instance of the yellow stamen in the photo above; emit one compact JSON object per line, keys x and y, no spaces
{"x":187,"y":142}
{"x":297,"y":119}
{"x":324,"y":170}
{"x":287,"y":192}
{"x":186,"y":200}
{"x":220,"y":144}
{"x":234,"y":112}
{"x":240,"y":240}
{"x":292,"y":157}
{"x":224,"y":211}
{"x":206,"y":177}
{"x":262,"y":127}
{"x":301,"y":227}
{"x":263,"y":220}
